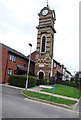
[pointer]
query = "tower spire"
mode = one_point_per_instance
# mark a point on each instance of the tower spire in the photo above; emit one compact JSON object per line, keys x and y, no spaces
{"x":47,"y":3}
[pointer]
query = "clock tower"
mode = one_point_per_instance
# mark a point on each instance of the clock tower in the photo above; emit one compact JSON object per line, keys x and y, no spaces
{"x":45,"y":44}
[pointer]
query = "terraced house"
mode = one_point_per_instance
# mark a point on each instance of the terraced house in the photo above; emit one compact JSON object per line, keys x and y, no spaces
{"x":13,"y":62}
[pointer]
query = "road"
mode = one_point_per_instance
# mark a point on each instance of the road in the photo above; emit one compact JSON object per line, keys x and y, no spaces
{"x":14,"y":105}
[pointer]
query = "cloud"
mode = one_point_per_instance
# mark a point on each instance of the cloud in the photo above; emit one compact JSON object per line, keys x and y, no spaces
{"x":18,"y":21}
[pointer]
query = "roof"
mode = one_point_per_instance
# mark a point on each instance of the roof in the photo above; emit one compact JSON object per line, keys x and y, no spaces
{"x":68,"y":72}
{"x":57,"y":62}
{"x":22,"y":68}
{"x":33,"y":55}
{"x":10,"y":50}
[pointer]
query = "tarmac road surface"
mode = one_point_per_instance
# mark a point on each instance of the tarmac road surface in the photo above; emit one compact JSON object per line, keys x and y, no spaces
{"x":14,"y":105}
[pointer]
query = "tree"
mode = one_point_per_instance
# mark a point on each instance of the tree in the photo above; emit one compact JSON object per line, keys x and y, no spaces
{"x":76,"y":78}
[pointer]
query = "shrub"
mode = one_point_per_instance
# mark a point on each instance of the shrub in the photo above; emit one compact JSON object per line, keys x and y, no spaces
{"x":41,"y":82}
{"x":31,"y":81}
{"x":58,"y":81}
{"x":69,"y":83}
{"x":20,"y":81}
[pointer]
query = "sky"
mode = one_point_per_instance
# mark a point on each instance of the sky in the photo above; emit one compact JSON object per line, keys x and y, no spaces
{"x":18,"y":21}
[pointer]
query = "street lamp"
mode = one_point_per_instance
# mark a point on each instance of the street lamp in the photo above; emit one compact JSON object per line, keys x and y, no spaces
{"x":28,"y":66}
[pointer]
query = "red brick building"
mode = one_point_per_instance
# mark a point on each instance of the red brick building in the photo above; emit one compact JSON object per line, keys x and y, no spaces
{"x":33,"y":55}
{"x":57,"y":67}
{"x":13,"y":62}
{"x":57,"y":70}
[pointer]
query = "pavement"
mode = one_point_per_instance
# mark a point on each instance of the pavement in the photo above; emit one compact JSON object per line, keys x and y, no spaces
{"x":15,"y":105}
{"x":74,"y":107}
{"x":37,"y":89}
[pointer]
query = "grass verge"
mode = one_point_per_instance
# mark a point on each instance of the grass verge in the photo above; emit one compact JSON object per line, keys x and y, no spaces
{"x":48,"y":97}
{"x":64,"y":90}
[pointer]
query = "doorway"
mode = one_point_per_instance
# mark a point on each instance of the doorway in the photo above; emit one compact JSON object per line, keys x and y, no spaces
{"x":41,"y":75}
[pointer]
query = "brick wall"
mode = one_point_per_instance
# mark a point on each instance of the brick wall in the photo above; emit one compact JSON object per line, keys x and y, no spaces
{"x":4,"y":63}
{"x":0,"y":63}
{"x":8,"y":64}
{"x":13,"y":65}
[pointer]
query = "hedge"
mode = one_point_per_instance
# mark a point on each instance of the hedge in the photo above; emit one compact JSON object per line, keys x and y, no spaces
{"x":20,"y":81}
{"x":69,"y":83}
{"x":41,"y":82}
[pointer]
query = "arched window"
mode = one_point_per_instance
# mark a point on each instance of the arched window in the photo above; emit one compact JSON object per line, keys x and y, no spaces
{"x":43,"y":44}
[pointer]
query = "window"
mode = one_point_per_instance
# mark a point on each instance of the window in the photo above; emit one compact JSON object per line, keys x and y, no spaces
{"x":54,"y":65}
{"x":43,"y":44}
{"x":12,"y":58}
{"x":9,"y":71}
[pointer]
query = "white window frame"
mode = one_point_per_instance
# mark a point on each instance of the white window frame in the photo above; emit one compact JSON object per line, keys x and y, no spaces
{"x":10,"y":71}
{"x":12,"y":58}
{"x":55,"y":65}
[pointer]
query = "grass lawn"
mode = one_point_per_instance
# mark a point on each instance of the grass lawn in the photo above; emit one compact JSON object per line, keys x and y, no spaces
{"x":64,"y":91}
{"x":48,"y":97}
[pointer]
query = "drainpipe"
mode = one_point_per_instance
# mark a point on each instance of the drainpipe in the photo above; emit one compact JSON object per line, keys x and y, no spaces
{"x":6,"y":69}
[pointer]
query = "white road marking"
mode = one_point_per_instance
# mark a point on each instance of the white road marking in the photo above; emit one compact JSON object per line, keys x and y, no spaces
{"x":59,"y":107}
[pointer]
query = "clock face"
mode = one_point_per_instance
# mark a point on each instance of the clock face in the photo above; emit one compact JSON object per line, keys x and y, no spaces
{"x":45,"y":12}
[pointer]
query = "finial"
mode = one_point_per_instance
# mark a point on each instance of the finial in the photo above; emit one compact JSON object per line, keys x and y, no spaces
{"x":47,"y":3}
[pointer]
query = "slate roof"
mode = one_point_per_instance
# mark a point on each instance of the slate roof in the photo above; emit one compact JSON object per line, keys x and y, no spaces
{"x":10,"y":50}
{"x":22,"y":67}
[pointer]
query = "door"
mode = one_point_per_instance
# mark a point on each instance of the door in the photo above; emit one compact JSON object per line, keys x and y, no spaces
{"x":41,"y":75}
